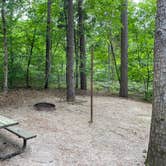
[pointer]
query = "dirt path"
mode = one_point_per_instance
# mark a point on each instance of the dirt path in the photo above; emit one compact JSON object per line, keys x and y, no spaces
{"x":118,"y":137}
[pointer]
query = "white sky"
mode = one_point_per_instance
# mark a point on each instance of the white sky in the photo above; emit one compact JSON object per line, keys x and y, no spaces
{"x":137,"y":1}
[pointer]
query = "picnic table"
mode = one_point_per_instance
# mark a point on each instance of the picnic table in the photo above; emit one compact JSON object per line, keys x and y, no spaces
{"x":12,"y":126}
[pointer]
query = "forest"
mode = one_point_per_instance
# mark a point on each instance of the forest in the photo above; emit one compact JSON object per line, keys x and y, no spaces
{"x":62,"y":62}
{"x":36,"y":44}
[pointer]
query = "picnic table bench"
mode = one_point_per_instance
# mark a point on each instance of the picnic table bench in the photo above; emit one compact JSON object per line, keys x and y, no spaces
{"x":12,"y":126}
{"x":5,"y":122}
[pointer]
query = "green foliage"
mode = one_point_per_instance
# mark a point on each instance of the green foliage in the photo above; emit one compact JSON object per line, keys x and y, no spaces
{"x":102,"y":27}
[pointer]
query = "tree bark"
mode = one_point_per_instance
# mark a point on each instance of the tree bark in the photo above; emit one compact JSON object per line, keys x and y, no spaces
{"x":70,"y":53}
{"x":157,"y":144}
{"x":4,"y":31}
{"x":124,"y":51}
{"x":83,"y":79}
{"x":48,"y":44}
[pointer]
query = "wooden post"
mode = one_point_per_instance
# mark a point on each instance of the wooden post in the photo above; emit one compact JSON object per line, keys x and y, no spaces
{"x":92,"y":65}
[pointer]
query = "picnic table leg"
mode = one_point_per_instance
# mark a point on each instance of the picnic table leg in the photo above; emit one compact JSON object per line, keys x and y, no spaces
{"x":21,"y":150}
{"x":24,"y":144}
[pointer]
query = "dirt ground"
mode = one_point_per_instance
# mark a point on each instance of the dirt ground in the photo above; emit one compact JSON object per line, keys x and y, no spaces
{"x":118,"y":136}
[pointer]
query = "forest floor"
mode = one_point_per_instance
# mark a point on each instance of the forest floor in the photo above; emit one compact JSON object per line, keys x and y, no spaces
{"x":118,"y":136}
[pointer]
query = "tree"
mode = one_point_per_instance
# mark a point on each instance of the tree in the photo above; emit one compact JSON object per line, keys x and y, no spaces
{"x":83,"y":82}
{"x":48,"y":44}
{"x":31,"y":42}
{"x":70,"y":53}
{"x":4,"y":30}
{"x":157,"y":144}
{"x":141,"y":31}
{"x":124,"y":51}
{"x":76,"y":57}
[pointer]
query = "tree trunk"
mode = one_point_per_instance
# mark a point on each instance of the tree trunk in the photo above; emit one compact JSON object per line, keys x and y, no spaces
{"x":4,"y":31}
{"x":109,"y":62}
{"x":11,"y":71}
{"x":124,"y":51}
{"x":115,"y":62}
{"x":83,"y":82}
{"x":76,"y":57}
{"x":157,"y":144}
{"x":29,"y":58}
{"x":48,"y":44}
{"x":70,"y":54}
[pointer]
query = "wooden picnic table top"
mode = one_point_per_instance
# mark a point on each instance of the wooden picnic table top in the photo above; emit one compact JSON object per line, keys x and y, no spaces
{"x":6,"y":122}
